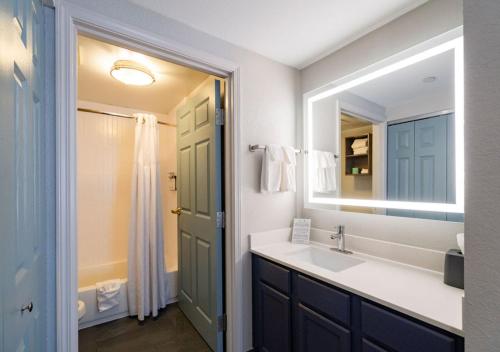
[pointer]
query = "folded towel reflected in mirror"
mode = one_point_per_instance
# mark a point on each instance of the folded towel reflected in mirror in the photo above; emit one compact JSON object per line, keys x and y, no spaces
{"x":359,"y":143}
{"x":324,"y":165}
{"x":360,"y":146}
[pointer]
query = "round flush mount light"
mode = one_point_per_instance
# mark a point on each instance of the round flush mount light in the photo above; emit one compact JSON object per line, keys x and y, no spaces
{"x":429,"y":79}
{"x":132,"y":73}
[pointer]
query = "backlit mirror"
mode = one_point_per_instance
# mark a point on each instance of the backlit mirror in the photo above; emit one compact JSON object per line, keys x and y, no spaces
{"x":390,"y":140}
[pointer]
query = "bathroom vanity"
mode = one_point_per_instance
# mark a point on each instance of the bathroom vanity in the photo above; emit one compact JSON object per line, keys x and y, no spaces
{"x":307,"y":298}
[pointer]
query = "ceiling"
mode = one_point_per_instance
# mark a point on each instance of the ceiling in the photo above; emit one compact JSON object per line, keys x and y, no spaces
{"x":349,"y":122}
{"x":406,"y":84}
{"x":95,"y":58}
{"x":293,"y":32}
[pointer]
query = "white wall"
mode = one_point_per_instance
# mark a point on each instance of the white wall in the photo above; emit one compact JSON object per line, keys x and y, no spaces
{"x":433,"y":18}
{"x":427,"y":21}
{"x":482,"y":191}
{"x":269,"y":93}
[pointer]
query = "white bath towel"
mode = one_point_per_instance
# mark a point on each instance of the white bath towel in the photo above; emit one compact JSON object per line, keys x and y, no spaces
{"x":324,"y":168}
{"x":270,"y":180}
{"x":288,"y":180}
{"x":107,"y":293}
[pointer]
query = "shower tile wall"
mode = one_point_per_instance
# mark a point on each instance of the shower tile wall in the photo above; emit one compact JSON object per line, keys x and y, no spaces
{"x":105,"y":158}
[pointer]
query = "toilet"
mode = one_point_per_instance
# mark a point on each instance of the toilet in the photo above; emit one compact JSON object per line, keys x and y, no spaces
{"x":81,"y":309}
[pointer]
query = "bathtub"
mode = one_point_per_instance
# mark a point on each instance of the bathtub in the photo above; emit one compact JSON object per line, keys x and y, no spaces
{"x":87,"y":294}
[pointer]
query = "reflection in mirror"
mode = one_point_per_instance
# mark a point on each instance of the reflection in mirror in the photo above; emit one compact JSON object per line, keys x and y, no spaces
{"x":392,"y":138}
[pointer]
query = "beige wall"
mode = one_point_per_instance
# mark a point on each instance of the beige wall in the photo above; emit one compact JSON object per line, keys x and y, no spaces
{"x":104,"y":161}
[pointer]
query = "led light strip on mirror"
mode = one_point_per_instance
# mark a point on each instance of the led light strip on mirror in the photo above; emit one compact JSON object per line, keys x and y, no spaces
{"x":456,"y":45}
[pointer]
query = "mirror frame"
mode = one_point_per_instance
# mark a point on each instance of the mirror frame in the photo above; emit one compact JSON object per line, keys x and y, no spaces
{"x":452,"y":40}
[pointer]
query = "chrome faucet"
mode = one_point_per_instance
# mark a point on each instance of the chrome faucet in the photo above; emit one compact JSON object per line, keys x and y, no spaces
{"x":339,"y":235}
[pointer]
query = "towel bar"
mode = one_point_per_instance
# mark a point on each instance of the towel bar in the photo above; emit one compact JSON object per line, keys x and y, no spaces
{"x":255,"y":147}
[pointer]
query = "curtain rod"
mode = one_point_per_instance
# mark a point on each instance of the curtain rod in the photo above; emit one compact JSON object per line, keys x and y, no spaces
{"x":120,"y":115}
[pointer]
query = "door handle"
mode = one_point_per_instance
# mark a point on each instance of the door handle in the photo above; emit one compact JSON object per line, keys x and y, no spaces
{"x":27,"y":307}
{"x":177,"y":211}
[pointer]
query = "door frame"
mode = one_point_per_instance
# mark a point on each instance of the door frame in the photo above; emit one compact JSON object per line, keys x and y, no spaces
{"x":72,"y":20}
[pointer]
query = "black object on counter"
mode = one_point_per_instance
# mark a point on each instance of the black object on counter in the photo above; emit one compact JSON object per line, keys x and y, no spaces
{"x":454,"y":268}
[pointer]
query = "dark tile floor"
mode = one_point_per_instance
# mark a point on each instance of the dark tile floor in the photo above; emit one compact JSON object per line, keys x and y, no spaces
{"x":170,"y":332}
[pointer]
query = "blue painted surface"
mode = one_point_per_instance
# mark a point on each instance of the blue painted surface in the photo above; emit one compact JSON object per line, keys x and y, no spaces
{"x":421,"y":165}
{"x":401,"y":165}
{"x":315,"y":316}
{"x":430,"y":163}
{"x":27,"y":210}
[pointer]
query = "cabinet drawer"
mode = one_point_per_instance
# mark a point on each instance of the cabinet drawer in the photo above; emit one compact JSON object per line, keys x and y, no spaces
{"x":401,"y":334}
{"x":273,"y":275}
{"x":324,"y":299}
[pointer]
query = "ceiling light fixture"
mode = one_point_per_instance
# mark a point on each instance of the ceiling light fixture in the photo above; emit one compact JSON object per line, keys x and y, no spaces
{"x":132,"y":73}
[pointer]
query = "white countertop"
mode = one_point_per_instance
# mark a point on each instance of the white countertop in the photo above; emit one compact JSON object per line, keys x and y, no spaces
{"x":417,"y":292}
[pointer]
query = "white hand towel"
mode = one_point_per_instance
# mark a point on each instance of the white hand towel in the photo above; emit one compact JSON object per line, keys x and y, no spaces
{"x":331,"y":180}
{"x":324,"y":165}
{"x":359,"y":143}
{"x":270,"y":180}
{"x":107,"y":294}
{"x":288,"y":180}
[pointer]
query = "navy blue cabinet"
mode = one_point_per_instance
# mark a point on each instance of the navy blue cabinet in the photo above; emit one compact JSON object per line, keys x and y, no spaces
{"x":293,"y":312}
{"x":368,"y":346}
{"x":316,"y":333}
{"x":402,"y":334}
{"x":272,"y":321}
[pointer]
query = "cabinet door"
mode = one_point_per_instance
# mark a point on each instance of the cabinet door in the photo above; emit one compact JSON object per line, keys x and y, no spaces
{"x":430,"y":163}
{"x":371,"y":347}
{"x":401,"y":165}
{"x":272,"y":320}
{"x":315,"y":333}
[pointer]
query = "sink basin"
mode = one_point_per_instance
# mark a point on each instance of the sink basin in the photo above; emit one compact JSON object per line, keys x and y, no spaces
{"x":325,"y":259}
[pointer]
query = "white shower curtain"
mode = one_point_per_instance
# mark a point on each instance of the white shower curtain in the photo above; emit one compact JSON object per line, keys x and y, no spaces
{"x":146,"y":262}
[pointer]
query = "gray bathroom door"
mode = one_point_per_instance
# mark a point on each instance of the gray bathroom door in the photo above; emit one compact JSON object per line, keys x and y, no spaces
{"x":23,"y":269}
{"x":431,"y":163}
{"x":419,"y":163}
{"x":199,"y":197}
{"x":401,"y":165}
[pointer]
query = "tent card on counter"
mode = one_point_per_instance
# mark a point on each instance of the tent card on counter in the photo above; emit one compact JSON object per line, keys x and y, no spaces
{"x":301,"y":231}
